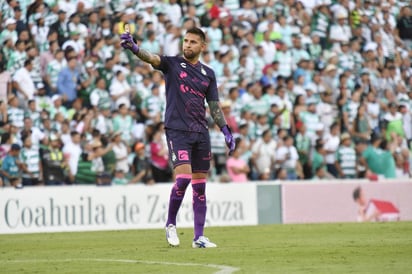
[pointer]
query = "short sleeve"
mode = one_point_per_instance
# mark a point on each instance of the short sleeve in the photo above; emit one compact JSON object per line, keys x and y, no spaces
{"x":165,"y":62}
{"x":40,"y":134}
{"x":365,"y":153}
{"x":94,"y":99}
{"x":17,"y":76}
{"x":212,"y":93}
{"x":5,"y":165}
{"x":229,"y":163}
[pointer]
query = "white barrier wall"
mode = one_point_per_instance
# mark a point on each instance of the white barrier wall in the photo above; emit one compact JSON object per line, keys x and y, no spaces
{"x":82,"y":208}
{"x":320,"y":202}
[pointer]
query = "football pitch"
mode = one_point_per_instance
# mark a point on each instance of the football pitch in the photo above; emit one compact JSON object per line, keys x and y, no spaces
{"x":312,"y":248}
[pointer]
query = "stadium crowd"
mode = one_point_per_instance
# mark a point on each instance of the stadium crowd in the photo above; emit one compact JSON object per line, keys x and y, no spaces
{"x":313,"y":89}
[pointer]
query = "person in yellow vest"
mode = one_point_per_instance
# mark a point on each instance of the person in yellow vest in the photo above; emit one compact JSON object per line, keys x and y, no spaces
{"x":126,"y":18}
{"x":54,"y":164}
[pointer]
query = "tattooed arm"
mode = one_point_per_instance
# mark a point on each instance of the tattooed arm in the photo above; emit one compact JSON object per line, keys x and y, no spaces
{"x":128,"y":42}
{"x":148,"y":57}
{"x":220,"y":120}
{"x":217,"y":113}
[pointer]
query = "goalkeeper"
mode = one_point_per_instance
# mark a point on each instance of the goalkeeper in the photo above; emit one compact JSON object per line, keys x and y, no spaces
{"x":188,"y":84}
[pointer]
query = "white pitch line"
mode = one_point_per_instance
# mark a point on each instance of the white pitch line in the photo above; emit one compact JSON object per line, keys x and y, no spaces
{"x":223,"y":269}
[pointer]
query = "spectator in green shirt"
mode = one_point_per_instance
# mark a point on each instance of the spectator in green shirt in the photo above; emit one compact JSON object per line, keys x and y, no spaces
{"x":388,"y":167}
{"x":320,"y":173}
{"x":377,"y":160}
{"x":119,"y":178}
{"x":10,"y":168}
{"x":370,"y":155}
{"x":318,"y":158}
{"x":303,"y":145}
{"x":346,"y":158}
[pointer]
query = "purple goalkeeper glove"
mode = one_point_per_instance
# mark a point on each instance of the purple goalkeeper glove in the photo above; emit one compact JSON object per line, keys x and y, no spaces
{"x":128,"y":43}
{"x":230,"y":141}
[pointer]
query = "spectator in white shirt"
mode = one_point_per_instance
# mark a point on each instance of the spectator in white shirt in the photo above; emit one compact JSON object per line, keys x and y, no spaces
{"x":120,"y":90}
{"x":171,"y":46}
{"x":268,"y":47}
{"x":331,"y":144}
{"x":37,"y":136}
{"x":341,"y":31}
{"x":373,"y":111}
{"x":72,"y":151}
{"x":287,"y":158}
{"x":407,"y":120}
{"x":121,"y":152}
{"x":23,"y":82}
{"x":174,"y":12}
{"x":263,"y":157}
{"x":393,"y":113}
{"x":149,"y":15}
{"x":5,"y":82}
{"x":248,"y":12}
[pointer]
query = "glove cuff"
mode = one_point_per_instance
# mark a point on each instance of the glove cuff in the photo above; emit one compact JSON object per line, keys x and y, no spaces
{"x":226,"y":130}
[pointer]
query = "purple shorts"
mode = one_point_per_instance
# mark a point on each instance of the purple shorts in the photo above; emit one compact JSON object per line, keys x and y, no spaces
{"x":186,"y":147}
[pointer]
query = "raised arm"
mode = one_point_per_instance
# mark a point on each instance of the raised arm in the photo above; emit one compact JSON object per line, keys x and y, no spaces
{"x":127,"y":42}
{"x":148,"y":57}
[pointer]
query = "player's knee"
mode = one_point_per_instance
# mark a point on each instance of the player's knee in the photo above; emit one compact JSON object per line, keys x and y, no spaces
{"x":183,"y":169}
{"x":180,"y":187}
{"x":199,"y":176}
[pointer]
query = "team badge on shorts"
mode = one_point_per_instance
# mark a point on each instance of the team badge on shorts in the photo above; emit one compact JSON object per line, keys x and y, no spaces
{"x":183,"y":155}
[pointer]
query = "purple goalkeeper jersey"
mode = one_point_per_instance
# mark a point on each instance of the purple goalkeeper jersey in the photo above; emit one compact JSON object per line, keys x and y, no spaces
{"x":187,"y":87}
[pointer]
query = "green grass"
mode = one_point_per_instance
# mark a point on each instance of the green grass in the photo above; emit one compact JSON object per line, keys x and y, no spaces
{"x":320,"y":248}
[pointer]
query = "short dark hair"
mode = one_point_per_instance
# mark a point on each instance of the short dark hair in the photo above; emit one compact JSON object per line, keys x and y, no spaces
{"x":27,"y":62}
{"x":74,"y":133}
{"x":100,"y":78}
{"x":267,"y":131}
{"x":198,"y":32}
{"x":334,"y":124}
{"x":356,"y":193}
{"x":18,"y":42}
{"x":4,"y":137}
{"x":237,"y":142}
{"x":25,"y":135}
{"x":95,"y":132}
{"x":322,"y":166}
{"x":233,"y":89}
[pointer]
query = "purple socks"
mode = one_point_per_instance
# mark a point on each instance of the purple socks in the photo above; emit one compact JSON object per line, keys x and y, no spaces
{"x":199,"y":205}
{"x":199,"y":201}
{"x":176,"y":196}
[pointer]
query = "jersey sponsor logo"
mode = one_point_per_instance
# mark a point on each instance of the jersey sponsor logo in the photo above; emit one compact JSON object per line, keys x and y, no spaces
{"x":184,"y":89}
{"x":183,"y":155}
{"x":183,"y":65}
{"x":182,"y":75}
{"x":203,"y":71}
